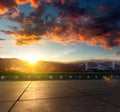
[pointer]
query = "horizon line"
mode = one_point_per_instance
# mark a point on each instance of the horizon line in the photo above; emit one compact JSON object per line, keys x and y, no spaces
{"x":73,"y":61}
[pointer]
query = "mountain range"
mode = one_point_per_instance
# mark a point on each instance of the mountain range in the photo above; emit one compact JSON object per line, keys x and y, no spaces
{"x":17,"y":65}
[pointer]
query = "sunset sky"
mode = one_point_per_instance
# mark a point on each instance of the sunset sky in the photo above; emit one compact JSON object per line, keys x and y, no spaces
{"x":60,"y":30}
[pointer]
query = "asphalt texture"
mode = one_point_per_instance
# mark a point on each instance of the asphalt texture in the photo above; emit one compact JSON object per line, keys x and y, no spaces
{"x":60,"y":96}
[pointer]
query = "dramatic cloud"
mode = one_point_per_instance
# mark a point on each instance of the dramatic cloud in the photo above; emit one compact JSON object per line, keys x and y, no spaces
{"x":7,"y":5}
{"x":34,"y":3}
{"x":66,"y":22}
{"x":11,"y":5}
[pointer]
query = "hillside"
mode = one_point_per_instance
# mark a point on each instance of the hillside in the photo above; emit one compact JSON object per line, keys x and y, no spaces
{"x":16,"y":65}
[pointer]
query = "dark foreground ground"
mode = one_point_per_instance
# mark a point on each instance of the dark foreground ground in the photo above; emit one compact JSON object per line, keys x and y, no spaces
{"x":60,"y":96}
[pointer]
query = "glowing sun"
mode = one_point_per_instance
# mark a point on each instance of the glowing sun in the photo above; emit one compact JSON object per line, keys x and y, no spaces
{"x":32,"y":59}
{"x":30,"y":56}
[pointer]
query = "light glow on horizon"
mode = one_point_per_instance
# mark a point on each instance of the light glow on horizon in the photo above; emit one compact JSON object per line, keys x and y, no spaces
{"x":32,"y":58}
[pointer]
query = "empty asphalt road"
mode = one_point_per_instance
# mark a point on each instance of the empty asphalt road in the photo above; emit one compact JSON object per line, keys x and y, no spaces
{"x":60,"y":96}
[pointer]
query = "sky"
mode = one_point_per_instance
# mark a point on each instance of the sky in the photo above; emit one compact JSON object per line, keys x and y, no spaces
{"x":60,"y":30}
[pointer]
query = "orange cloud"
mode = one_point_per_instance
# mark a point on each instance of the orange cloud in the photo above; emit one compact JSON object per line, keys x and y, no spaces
{"x":24,"y":39}
{"x":34,"y":3}
{"x":3,"y":9}
{"x":62,"y":1}
{"x":72,"y":24}
{"x":21,"y":2}
{"x":7,"y":5}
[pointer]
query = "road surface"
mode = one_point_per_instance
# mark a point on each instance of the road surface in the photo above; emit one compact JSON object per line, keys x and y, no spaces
{"x":60,"y":96}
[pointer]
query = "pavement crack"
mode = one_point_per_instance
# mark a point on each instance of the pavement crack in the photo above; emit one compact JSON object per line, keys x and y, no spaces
{"x":19,"y":97}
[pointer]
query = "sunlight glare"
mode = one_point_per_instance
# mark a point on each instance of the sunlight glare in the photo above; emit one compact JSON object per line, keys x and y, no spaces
{"x":32,"y":59}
